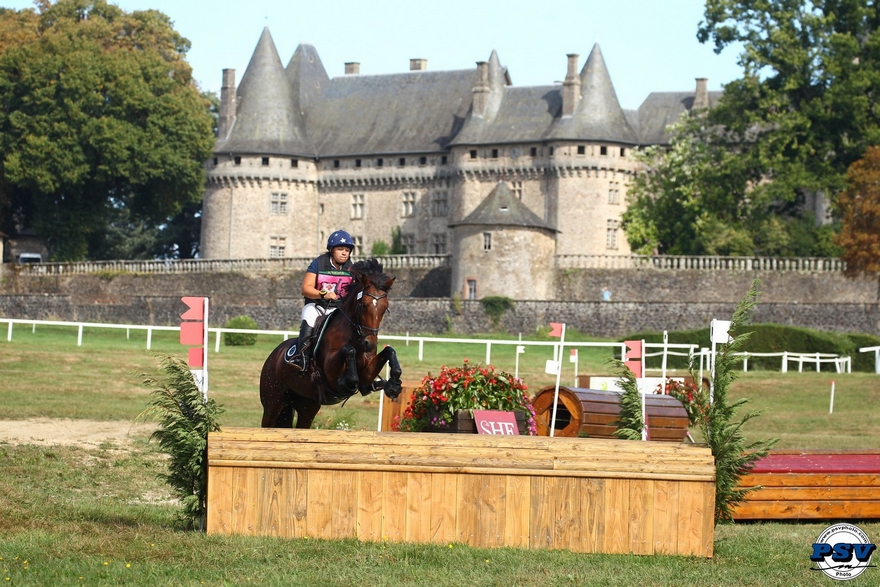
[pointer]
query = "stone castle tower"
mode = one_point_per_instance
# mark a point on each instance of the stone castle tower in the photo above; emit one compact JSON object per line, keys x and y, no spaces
{"x":500,"y":178}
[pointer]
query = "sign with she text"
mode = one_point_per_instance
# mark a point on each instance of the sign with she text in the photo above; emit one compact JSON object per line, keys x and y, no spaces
{"x":496,"y":422}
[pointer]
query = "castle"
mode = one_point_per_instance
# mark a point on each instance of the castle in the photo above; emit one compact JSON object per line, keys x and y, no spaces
{"x":502,"y":179}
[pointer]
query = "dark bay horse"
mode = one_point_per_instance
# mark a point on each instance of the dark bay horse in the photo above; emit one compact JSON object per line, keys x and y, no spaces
{"x":345,"y":360}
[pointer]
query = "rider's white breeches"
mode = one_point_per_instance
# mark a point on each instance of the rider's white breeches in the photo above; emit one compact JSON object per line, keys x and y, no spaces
{"x":311,"y":312}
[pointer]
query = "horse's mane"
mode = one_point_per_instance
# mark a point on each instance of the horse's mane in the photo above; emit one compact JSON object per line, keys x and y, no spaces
{"x":371,"y":269}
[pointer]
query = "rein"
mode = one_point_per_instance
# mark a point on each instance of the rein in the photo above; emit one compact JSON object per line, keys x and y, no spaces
{"x":358,"y":327}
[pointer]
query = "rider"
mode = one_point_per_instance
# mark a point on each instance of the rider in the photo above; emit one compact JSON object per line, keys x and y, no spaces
{"x":326,"y":281}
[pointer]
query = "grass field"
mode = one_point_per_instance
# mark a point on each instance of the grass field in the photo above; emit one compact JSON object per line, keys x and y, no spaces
{"x":79,"y":516}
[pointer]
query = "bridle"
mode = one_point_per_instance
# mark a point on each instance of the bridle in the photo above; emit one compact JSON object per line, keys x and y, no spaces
{"x":358,"y":327}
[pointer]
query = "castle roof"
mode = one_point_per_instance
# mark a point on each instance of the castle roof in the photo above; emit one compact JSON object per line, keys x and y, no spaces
{"x":597,"y":115}
{"x":268,"y":120}
{"x":413,"y":112}
{"x":502,"y":208}
{"x":300,"y":111}
{"x":660,"y":109}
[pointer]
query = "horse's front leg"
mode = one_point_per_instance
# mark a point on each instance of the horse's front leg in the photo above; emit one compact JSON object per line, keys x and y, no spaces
{"x":387,"y":355}
{"x":348,"y":381}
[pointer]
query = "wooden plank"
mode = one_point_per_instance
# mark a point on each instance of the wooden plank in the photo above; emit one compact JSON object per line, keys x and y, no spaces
{"x":320,"y":500}
{"x":691,"y":511}
{"x":567,"y":505}
{"x":641,"y":517}
{"x":591,"y":520}
{"x":708,"y":518}
{"x":810,"y":480}
{"x":296,"y":506}
{"x":369,"y":506}
{"x":343,"y":507}
{"x":466,"y":520}
{"x":807,"y":510}
{"x":270,"y":502}
{"x":516,"y":511}
{"x":419,"y":500}
{"x":394,"y":507}
{"x":491,"y":513}
{"x":814,"y":494}
{"x":241,"y":500}
{"x":443,"y":507}
{"x":220,"y":501}
{"x":541,"y":512}
{"x":616,"y":539}
{"x":666,"y":527}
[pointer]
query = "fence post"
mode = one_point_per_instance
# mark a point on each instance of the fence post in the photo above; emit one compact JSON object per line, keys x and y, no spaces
{"x":9,"y":334}
{"x":421,"y":346}
{"x":79,"y":336}
{"x":217,"y":342}
{"x":785,"y":361}
{"x":818,"y":364}
{"x":488,"y":353}
{"x":149,"y":337}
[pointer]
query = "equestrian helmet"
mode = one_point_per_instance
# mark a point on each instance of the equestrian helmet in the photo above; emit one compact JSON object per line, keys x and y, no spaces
{"x":340,"y":238}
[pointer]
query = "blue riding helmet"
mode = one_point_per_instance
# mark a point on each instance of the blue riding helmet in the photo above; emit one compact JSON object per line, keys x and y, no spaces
{"x":340,"y":238}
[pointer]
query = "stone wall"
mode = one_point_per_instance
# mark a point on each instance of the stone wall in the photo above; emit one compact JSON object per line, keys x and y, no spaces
{"x":642,"y":300}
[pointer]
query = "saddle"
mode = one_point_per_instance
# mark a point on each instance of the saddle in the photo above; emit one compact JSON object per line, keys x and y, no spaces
{"x":326,"y":397}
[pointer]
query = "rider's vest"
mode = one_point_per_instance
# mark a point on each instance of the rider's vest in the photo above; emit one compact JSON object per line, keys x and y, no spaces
{"x":330,"y":278}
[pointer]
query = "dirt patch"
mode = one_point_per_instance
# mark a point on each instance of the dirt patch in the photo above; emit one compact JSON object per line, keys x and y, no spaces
{"x":64,"y":431}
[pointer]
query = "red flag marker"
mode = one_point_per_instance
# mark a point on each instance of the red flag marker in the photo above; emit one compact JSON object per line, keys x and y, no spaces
{"x":555,"y":329}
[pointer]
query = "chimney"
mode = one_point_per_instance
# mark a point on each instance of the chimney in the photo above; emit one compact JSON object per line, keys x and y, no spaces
{"x":352,"y":68}
{"x":701,"y":97}
{"x":481,"y":90}
{"x":227,"y":104}
{"x":571,"y":87}
{"x":418,"y":64}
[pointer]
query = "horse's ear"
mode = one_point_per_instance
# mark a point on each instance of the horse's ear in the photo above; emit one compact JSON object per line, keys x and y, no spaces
{"x":389,"y":283}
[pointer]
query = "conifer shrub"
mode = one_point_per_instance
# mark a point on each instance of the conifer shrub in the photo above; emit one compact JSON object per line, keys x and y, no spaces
{"x":240,"y":338}
{"x":185,"y":418}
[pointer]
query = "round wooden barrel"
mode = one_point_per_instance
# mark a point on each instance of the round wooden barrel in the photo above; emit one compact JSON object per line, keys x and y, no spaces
{"x":594,"y":413}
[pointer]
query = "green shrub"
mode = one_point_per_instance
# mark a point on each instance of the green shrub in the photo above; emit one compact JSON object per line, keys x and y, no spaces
{"x":495,"y":307}
{"x":240,"y":338}
{"x":863,"y":361}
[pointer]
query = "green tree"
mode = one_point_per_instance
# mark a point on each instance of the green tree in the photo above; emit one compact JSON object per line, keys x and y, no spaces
{"x":804,"y":110}
{"x":100,"y":114}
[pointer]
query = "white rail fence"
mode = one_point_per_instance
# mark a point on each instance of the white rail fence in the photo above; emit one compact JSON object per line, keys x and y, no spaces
{"x":661,"y":262}
{"x":841,"y":363}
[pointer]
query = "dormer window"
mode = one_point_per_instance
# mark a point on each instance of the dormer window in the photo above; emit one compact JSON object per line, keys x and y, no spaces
{"x":336,"y":164}
{"x":236,"y":160}
{"x":265,"y":161}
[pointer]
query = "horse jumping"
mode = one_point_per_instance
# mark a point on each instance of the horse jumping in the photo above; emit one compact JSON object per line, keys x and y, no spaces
{"x":345,"y":360}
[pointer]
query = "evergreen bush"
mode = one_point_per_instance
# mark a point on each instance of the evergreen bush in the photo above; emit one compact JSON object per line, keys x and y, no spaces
{"x":185,"y":419}
{"x":240,"y":338}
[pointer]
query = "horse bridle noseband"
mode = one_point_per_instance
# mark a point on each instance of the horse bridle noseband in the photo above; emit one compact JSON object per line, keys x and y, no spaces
{"x":357,"y":325}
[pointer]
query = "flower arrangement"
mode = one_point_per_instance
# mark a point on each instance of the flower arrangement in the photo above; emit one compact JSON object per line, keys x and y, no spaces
{"x":469,"y":387}
{"x":693,"y":400}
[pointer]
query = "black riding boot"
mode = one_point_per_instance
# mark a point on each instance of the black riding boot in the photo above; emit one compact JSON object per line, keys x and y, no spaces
{"x":301,"y":358}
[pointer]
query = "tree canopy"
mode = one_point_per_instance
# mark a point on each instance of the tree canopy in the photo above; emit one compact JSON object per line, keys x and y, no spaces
{"x":100,"y":120}
{"x":804,"y":110}
{"x":860,"y":205}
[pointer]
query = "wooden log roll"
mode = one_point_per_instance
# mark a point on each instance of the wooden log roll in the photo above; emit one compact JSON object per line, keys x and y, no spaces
{"x":594,"y":413}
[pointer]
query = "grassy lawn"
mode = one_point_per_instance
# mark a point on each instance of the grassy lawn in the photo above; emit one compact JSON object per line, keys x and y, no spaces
{"x":78,"y":516}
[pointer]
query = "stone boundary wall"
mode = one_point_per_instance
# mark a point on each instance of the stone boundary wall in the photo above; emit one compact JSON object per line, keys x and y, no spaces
{"x":642,"y":300}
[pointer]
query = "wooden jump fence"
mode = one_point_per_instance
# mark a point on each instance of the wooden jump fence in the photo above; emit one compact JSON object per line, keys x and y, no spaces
{"x":584,"y":495}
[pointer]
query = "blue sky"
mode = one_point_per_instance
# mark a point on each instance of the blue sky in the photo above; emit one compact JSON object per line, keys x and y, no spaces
{"x":648,"y":45}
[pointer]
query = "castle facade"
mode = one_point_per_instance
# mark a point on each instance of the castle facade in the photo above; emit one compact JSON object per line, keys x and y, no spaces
{"x":501,"y":178}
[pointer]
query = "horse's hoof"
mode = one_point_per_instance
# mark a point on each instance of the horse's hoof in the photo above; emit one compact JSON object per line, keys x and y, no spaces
{"x":393,"y":389}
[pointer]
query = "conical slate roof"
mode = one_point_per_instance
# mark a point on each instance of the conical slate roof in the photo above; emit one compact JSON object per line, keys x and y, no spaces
{"x":268,"y":120}
{"x":598,"y":115}
{"x":502,"y":208}
{"x":307,"y":76}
